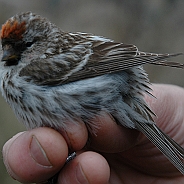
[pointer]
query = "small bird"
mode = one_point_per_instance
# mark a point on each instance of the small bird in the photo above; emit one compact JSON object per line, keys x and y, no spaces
{"x":49,"y":76}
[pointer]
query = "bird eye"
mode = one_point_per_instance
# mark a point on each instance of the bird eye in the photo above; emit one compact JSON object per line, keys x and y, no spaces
{"x":28,"y":44}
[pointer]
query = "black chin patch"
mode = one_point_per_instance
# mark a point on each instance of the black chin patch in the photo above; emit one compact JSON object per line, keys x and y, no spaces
{"x":12,"y":62}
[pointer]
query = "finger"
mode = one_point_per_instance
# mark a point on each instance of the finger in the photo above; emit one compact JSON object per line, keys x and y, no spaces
{"x":76,"y":135}
{"x":35,"y":155}
{"x":88,"y":167}
{"x":169,"y":108}
{"x":112,"y":137}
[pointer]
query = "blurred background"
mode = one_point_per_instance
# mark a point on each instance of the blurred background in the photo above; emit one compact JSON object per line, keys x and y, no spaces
{"x":153,"y":26}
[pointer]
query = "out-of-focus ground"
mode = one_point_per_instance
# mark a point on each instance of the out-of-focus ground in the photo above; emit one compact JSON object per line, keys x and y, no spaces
{"x":153,"y":26}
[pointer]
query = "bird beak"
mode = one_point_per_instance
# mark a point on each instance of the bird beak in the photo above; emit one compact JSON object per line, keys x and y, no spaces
{"x":9,"y":53}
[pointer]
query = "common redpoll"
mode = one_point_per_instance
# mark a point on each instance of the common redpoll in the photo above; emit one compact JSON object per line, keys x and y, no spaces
{"x":49,"y":77}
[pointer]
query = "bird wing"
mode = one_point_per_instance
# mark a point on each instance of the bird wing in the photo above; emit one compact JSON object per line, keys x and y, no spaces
{"x":90,"y":59}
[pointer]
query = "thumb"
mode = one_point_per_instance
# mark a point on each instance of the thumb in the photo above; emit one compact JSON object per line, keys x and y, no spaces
{"x":35,"y":155}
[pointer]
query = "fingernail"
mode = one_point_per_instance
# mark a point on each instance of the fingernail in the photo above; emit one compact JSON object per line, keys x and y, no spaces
{"x":80,"y":175}
{"x":38,"y":154}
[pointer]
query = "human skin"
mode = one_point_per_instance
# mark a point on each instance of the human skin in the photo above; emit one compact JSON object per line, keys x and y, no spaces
{"x":115,"y":155}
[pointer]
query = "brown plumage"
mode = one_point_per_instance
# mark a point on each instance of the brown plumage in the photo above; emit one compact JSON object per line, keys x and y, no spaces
{"x":49,"y":76}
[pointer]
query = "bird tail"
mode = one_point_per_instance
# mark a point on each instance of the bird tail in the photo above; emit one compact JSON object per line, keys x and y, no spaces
{"x":161,"y":59}
{"x":172,"y":150}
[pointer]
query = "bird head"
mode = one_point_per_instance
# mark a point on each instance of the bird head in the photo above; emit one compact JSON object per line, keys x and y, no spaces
{"x":21,"y":32}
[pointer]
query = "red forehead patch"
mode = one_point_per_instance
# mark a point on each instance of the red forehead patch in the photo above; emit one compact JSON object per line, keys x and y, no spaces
{"x":13,"y":30}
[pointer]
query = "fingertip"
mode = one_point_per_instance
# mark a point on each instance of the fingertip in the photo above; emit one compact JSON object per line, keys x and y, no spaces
{"x":5,"y":152}
{"x":35,"y":155}
{"x":76,"y":135}
{"x":88,"y":167}
{"x":94,"y":167}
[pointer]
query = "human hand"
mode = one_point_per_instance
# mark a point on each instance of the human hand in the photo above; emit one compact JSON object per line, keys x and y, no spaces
{"x":114,"y":155}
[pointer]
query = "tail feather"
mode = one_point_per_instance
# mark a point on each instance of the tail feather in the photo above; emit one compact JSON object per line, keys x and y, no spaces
{"x":172,"y":150}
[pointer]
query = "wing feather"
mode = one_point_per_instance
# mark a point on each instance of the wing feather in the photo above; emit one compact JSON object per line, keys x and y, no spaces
{"x":98,"y":58}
